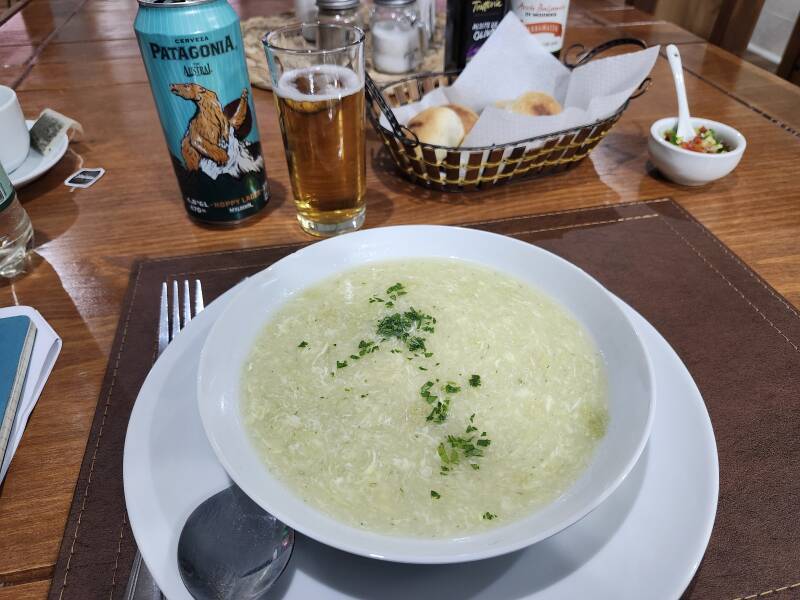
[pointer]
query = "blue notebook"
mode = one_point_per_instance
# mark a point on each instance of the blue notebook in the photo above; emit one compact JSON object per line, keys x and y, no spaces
{"x":17,"y":335}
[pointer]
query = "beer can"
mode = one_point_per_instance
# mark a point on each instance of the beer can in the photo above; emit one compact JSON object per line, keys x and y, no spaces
{"x":194,"y":57}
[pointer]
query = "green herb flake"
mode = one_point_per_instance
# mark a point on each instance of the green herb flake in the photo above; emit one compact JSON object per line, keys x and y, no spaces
{"x":451,"y":388}
{"x":489,"y":516}
{"x":475,"y":381}
{"x":475,"y":466}
{"x":375,"y":299}
{"x":483,"y":442}
{"x":390,"y":304}
{"x":302,"y":344}
{"x":435,"y":495}
{"x":421,"y":368}
{"x":341,"y":364}
{"x":416,"y":343}
{"x":439,"y":412}
{"x":396,"y":290}
{"x":367,"y":347}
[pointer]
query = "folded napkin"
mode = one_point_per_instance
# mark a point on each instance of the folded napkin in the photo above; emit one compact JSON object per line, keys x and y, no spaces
{"x":46,"y":347}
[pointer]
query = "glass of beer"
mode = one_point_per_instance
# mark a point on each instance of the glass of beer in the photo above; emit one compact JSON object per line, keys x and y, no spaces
{"x":317,"y":75}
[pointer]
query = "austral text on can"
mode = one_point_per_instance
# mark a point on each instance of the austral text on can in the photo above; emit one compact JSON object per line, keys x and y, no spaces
{"x":190,"y":52}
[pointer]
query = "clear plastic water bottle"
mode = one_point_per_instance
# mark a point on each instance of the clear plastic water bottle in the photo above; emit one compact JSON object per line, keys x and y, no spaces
{"x":16,"y":231}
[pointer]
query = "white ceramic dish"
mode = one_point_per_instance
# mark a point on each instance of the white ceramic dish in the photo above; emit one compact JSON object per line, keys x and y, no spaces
{"x":630,"y":392}
{"x":36,"y":165}
{"x":694,"y":168}
{"x":645,"y":541}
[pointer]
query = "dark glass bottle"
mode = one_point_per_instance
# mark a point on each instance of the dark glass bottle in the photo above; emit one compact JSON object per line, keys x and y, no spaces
{"x":469,"y":25}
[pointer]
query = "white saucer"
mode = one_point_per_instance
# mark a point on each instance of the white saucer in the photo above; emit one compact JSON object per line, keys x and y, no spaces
{"x":645,"y":541}
{"x":36,"y":165}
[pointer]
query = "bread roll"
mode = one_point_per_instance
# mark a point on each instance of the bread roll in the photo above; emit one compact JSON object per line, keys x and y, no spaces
{"x":468,"y":117}
{"x":532,"y":103}
{"x":438,"y":125}
{"x":445,"y":125}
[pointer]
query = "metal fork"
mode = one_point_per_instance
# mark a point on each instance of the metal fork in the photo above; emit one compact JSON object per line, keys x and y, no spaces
{"x":174,"y":314}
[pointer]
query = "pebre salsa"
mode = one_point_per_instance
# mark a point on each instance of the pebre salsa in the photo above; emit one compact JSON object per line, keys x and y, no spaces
{"x":705,"y":141}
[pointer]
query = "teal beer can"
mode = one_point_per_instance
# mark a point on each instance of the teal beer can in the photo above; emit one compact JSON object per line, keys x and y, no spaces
{"x":194,"y":57}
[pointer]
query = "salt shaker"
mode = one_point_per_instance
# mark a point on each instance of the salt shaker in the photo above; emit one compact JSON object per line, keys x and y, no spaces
{"x":339,"y":12}
{"x":343,"y":12}
{"x":305,"y":10}
{"x":398,"y":36}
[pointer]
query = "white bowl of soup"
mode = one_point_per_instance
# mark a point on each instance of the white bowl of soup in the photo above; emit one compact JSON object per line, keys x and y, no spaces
{"x":425,"y":394}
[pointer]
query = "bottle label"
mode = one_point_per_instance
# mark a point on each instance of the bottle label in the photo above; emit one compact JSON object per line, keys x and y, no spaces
{"x":546,"y":19}
{"x":6,"y":189}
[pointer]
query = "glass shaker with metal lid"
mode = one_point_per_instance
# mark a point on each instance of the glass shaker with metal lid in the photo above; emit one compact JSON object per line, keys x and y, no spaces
{"x":398,"y":36}
{"x":343,"y":12}
{"x":337,"y":12}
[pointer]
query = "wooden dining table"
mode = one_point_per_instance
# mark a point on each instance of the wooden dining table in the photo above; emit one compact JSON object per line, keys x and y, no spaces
{"x":80,"y":57}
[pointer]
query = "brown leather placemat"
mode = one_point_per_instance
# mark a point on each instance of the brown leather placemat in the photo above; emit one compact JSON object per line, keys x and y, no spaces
{"x":738,"y":337}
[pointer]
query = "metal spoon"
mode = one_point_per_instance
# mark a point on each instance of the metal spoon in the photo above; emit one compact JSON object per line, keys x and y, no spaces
{"x":684,"y":129}
{"x":231,"y":548}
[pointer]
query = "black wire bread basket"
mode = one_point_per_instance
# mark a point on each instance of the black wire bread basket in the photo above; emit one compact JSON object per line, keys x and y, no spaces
{"x":459,"y":169}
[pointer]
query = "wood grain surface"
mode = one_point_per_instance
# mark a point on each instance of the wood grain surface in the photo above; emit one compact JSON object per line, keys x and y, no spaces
{"x":80,"y":58}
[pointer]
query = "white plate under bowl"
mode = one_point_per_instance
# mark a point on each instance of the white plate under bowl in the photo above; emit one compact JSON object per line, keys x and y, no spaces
{"x":628,"y":370}
{"x":645,"y":541}
{"x":35,"y":165}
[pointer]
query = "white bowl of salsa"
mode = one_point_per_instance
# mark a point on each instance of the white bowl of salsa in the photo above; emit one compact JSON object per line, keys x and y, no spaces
{"x":695,"y":162}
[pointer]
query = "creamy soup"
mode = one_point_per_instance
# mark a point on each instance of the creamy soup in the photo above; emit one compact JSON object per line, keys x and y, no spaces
{"x":427,"y":398}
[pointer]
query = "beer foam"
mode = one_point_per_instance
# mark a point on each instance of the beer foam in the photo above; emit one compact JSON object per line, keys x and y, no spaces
{"x":349,"y":81}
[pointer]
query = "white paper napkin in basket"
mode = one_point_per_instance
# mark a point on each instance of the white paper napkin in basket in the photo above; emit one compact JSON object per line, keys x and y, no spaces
{"x":512,"y":62}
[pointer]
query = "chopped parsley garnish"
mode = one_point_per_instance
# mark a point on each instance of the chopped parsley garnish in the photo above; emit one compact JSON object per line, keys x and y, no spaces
{"x":416,"y":343}
{"x":465,"y":445}
{"x":365,"y":347}
{"x":302,"y":344}
{"x":435,"y":495}
{"x":375,"y":299}
{"x":396,"y":290}
{"x":489,"y":516}
{"x":354,"y":357}
{"x":450,"y":458}
{"x":421,"y":368}
{"x":428,"y":354}
{"x":439,"y":412}
{"x":475,"y":381}
{"x":471,"y":427}
{"x":389,"y":304}
{"x":401,"y":325}
{"x":457,"y":447}
{"x":341,"y":364}
{"x":451,"y":388}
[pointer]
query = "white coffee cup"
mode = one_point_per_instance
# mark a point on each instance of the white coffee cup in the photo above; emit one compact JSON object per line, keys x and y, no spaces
{"x":14,"y":134}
